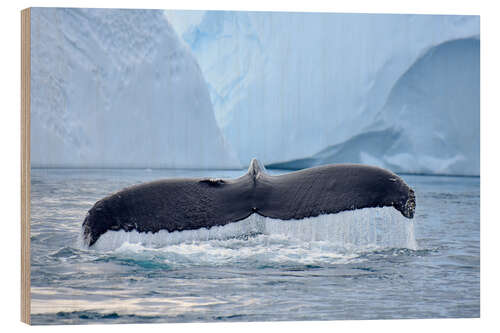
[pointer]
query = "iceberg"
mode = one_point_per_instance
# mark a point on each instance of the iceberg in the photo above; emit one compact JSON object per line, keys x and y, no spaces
{"x":302,"y":89}
{"x":118,"y":88}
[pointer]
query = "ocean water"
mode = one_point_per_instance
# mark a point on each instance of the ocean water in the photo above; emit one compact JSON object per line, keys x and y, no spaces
{"x":367,"y":264}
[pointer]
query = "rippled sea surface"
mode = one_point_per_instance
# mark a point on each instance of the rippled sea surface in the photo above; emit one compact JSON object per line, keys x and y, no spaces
{"x":368,"y":264}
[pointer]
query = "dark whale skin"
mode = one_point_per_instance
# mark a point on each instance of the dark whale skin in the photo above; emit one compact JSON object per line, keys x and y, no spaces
{"x":187,"y":204}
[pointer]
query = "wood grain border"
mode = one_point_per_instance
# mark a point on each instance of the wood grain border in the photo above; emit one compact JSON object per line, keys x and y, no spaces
{"x":25,"y":166}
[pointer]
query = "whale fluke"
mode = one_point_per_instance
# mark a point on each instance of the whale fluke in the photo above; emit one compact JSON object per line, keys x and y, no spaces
{"x":193,"y":203}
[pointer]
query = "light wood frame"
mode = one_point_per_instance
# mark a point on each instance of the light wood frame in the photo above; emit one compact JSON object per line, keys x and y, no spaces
{"x":25,"y":166}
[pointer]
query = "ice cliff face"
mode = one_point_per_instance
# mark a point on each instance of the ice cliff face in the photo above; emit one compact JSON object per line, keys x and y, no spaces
{"x":116,"y":88}
{"x":296,"y":89}
{"x":119,"y":88}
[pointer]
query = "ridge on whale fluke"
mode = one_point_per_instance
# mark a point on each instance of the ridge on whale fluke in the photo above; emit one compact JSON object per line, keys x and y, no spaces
{"x":192,"y":203}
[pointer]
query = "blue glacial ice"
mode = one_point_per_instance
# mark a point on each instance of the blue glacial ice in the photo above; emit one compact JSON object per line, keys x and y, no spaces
{"x":194,"y":89}
{"x":297,"y":89}
{"x":117,"y":88}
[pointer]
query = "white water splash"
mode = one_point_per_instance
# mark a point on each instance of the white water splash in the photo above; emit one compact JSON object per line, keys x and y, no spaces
{"x":364,"y":229}
{"x":369,"y":227}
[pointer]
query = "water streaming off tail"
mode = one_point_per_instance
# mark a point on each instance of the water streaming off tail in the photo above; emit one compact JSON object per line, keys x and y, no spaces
{"x":369,"y":227}
{"x":364,"y":229}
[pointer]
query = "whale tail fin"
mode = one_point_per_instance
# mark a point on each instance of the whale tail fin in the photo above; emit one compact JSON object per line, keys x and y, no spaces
{"x":189,"y":204}
{"x":256,"y":168}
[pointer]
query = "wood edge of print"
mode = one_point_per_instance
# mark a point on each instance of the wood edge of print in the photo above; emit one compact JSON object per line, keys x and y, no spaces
{"x":25,"y":166}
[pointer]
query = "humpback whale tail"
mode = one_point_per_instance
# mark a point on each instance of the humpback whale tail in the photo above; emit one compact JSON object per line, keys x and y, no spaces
{"x":188,"y":204}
